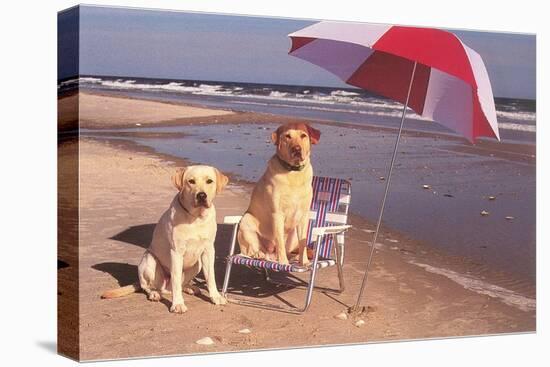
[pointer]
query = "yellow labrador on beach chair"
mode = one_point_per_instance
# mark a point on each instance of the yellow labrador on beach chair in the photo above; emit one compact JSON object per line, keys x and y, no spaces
{"x":276,"y":221}
{"x":183,"y":241}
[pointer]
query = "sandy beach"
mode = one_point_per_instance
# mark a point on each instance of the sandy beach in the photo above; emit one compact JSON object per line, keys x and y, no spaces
{"x":100,"y":111}
{"x":415,"y":290}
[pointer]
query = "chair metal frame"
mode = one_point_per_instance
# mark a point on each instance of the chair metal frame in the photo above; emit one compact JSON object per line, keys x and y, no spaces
{"x":317,"y":235}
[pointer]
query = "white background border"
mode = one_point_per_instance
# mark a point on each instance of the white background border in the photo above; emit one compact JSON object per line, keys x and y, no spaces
{"x":28,"y":180}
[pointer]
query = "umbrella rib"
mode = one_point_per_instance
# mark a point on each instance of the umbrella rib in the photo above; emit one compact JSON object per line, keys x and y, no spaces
{"x":383,"y":204}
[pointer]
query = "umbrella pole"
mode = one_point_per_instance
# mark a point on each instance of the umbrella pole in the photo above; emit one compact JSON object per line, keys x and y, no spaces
{"x":356,"y":308}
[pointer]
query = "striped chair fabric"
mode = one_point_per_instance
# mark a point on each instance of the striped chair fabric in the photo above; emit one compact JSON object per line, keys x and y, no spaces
{"x":329,"y":207}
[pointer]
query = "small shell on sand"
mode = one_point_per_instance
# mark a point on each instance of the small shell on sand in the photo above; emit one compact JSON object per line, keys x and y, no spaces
{"x":244,"y":331}
{"x":509,"y":217}
{"x":426,"y":187}
{"x":381,"y":178}
{"x":359,"y":323}
{"x":484,"y":213}
{"x":341,"y":316}
{"x":491,"y":198}
{"x":205,"y":341}
{"x":393,"y":241}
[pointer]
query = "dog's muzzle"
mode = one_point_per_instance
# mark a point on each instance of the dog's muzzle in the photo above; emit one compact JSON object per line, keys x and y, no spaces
{"x":201,"y":199}
{"x":296,"y":152}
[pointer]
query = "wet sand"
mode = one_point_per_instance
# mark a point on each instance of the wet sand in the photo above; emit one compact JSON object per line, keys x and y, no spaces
{"x":415,"y":291}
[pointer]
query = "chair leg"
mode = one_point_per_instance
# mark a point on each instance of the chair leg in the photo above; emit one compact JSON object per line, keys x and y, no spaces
{"x":252,"y":303}
{"x":311,"y":286}
{"x":228,"y":266}
{"x":340,"y":266}
{"x":287,"y":309}
{"x":229,"y":263}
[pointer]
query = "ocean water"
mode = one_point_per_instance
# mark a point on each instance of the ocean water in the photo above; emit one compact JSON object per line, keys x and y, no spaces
{"x":516,"y":117}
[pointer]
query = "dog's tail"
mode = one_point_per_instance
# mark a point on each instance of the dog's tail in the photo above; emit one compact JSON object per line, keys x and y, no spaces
{"x":122,"y":291}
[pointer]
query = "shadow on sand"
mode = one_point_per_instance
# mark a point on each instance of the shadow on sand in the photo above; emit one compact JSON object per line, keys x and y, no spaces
{"x":140,"y":235}
{"x":244,"y":281}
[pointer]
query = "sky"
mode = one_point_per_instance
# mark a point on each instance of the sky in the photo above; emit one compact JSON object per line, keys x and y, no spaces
{"x":199,"y":46}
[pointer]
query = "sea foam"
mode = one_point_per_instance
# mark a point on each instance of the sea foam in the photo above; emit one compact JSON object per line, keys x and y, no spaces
{"x":336,"y":101}
{"x":473,"y":284}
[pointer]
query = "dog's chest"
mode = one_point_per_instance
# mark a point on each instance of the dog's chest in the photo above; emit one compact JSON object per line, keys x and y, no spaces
{"x":193,"y":238}
{"x":295,"y":205}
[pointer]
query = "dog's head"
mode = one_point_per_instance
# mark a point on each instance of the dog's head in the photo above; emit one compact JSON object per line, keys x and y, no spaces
{"x":294,"y":140}
{"x":198,"y":186}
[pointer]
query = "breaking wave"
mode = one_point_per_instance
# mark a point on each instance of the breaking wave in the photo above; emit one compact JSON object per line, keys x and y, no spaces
{"x":510,"y":116}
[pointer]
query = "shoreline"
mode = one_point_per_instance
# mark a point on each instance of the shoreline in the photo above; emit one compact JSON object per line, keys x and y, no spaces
{"x":407,"y":244}
{"x":526,"y":150}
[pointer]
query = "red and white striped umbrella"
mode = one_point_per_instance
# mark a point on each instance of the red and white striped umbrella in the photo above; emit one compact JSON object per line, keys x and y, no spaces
{"x":426,"y":69}
{"x":450,"y":86}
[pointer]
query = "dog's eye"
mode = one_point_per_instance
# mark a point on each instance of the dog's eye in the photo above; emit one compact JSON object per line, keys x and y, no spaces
{"x":191,"y":181}
{"x":303,"y":136}
{"x":209,"y":181}
{"x":287,"y":136}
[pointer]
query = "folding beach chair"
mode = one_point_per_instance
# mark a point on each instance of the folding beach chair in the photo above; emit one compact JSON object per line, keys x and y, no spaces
{"x":328,"y":222}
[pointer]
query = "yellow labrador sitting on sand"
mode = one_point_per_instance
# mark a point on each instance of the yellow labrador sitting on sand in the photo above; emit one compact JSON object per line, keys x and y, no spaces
{"x":183,"y":241}
{"x":276,"y":221}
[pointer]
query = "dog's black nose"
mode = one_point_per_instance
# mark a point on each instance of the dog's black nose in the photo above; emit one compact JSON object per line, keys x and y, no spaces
{"x":296,"y":149}
{"x":201,"y":196}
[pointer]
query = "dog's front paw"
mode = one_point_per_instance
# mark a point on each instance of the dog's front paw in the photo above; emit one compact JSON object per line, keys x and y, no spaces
{"x":178,"y":308}
{"x":218,"y":299}
{"x":305,"y":262}
{"x":153,"y":296}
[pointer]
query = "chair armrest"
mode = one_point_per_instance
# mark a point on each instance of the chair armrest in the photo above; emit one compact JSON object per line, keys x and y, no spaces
{"x":232,"y":219}
{"x":322,"y":231}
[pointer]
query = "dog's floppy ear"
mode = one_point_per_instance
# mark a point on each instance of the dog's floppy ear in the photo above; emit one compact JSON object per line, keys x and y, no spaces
{"x":314,"y":134}
{"x":275,"y":136}
{"x":221,"y":181}
{"x":177,"y":178}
